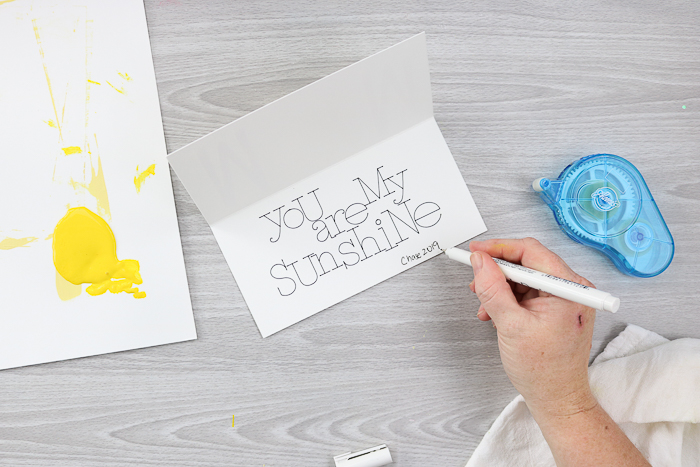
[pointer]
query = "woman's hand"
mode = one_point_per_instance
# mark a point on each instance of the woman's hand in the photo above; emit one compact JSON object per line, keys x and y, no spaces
{"x":545,"y":341}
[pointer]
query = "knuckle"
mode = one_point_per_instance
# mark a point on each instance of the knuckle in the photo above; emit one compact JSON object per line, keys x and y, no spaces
{"x":531,"y":241}
{"x":488,"y":293}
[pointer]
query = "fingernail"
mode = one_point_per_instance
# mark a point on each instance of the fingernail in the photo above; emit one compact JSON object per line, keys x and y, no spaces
{"x":471,"y":286}
{"x":477,"y":262}
{"x":478,"y":312}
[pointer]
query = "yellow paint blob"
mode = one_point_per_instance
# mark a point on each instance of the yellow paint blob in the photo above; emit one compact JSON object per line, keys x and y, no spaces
{"x":140,"y":178}
{"x":125,"y":76}
{"x":85,"y":252}
{"x":10,"y":243}
{"x":72,"y":150}
{"x":94,"y":82}
{"x":50,"y":123}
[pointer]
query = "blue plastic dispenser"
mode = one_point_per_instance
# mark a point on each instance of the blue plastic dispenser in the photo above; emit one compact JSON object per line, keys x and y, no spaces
{"x":603,"y":201}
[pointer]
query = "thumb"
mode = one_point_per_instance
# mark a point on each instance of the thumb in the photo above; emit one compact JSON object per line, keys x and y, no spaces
{"x":491,"y":288}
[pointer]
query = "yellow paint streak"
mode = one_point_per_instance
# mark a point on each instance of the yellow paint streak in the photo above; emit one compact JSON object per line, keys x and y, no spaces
{"x":121,"y":91}
{"x":72,"y":150}
{"x":6,"y":1}
{"x":46,"y":72}
{"x":67,"y":291}
{"x":65,"y":101}
{"x":94,"y":82}
{"x":50,"y":123}
{"x":10,"y":243}
{"x":85,"y":252}
{"x":125,"y":76}
{"x":98,"y":188}
{"x":75,"y":185}
{"x":141,"y":178}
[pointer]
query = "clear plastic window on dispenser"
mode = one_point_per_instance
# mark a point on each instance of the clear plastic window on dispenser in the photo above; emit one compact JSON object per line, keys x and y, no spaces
{"x":603,"y":201}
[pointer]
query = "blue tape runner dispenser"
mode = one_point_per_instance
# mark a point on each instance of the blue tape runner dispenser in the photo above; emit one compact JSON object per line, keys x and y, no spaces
{"x":603,"y":201}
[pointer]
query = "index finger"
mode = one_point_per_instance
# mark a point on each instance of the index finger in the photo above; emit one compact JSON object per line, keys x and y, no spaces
{"x":530,"y":253}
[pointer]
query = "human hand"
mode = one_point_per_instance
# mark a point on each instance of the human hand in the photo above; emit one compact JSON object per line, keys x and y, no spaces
{"x":544,"y":340}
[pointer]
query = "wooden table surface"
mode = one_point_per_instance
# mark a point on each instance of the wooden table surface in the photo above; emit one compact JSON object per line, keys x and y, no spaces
{"x":521,"y":89}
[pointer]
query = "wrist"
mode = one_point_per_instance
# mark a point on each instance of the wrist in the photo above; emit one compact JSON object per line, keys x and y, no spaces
{"x":561,"y":411}
{"x":580,"y":432}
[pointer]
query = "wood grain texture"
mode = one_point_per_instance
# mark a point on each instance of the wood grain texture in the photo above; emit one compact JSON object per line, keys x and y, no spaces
{"x":521,"y":89}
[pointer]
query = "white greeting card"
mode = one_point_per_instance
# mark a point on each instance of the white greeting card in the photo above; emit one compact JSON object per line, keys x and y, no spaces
{"x":331,"y":189}
{"x":81,"y":130}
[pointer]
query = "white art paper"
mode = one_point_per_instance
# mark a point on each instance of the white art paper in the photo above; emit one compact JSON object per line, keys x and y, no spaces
{"x":81,"y":126}
{"x":331,"y":189}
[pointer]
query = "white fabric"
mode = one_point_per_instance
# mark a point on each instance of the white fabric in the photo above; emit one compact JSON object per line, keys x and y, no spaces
{"x":649,"y":385}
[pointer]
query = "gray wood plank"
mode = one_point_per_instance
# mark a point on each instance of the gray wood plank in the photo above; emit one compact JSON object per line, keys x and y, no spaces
{"x":521,"y":89}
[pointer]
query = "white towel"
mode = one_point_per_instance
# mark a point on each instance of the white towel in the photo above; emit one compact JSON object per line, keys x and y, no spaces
{"x":649,"y":385}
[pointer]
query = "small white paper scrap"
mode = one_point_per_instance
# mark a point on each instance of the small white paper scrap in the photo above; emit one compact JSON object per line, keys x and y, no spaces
{"x":331,"y":189}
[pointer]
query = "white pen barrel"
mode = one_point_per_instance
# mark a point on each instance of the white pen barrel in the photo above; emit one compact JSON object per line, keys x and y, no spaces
{"x":457,"y":254}
{"x":563,"y":288}
{"x":373,"y":457}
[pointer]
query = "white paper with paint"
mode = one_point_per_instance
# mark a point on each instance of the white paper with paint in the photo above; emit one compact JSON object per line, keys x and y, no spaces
{"x":79,"y":111}
{"x":331,"y":189}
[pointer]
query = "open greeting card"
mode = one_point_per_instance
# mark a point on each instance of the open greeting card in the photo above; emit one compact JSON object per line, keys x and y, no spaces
{"x":90,"y":254}
{"x":331,"y":189}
